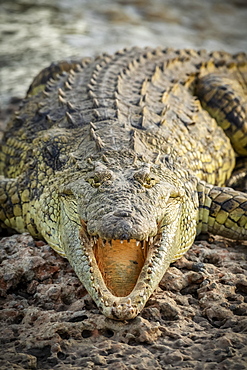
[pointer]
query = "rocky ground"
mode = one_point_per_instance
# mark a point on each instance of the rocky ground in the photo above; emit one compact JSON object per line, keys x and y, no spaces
{"x":197,"y":319}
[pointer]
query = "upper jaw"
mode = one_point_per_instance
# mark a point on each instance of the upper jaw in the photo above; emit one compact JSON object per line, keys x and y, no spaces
{"x":111,"y":226}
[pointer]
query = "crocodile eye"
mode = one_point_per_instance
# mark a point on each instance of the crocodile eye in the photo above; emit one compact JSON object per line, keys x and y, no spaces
{"x":66,"y":193}
{"x":99,"y":178}
{"x":149,"y":182}
{"x":100,"y":175}
{"x":94,"y":181}
{"x":145,"y":178}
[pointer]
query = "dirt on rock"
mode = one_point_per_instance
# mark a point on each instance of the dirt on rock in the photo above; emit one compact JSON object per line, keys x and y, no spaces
{"x":197,"y":318}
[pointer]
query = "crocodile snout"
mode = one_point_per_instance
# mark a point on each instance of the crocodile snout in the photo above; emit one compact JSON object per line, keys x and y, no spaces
{"x":121,"y":225}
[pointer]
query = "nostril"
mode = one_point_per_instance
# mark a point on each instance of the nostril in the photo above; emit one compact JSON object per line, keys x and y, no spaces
{"x":122,"y":213}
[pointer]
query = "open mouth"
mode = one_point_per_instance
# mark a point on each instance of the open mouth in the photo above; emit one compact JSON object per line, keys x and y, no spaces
{"x":120,"y":263}
{"x":120,"y":275}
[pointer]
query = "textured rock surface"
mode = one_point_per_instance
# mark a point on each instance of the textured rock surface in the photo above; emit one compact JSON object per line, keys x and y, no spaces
{"x":196,"y":319}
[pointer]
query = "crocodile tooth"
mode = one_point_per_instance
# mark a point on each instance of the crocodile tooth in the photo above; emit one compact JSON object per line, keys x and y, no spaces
{"x":137,"y":243}
{"x":121,"y":241}
{"x":151,"y":240}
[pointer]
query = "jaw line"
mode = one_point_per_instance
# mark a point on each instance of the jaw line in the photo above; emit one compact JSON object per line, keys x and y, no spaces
{"x":78,"y":248}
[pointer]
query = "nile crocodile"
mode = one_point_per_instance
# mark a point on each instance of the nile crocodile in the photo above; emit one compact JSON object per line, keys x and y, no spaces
{"x":119,"y":161}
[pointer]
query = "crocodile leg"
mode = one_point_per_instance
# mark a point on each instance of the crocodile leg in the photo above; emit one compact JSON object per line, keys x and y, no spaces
{"x":222,"y":211}
{"x":10,"y":210}
{"x":15,"y":210}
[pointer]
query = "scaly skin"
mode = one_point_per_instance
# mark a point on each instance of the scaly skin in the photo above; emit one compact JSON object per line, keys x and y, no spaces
{"x":119,"y":161}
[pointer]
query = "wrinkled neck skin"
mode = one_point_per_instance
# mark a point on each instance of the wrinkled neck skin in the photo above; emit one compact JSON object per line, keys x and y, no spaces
{"x":120,"y":229}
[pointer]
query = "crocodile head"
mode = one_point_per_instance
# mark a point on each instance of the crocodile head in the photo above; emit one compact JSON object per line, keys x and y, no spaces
{"x":120,"y":227}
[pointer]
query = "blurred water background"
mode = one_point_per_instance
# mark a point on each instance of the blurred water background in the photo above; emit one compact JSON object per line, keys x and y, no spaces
{"x":35,"y":33}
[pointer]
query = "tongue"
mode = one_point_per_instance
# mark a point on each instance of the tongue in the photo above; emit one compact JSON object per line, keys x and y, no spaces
{"x":120,"y":264}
